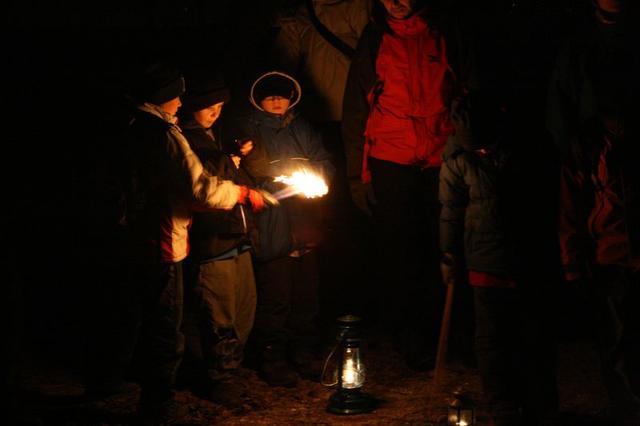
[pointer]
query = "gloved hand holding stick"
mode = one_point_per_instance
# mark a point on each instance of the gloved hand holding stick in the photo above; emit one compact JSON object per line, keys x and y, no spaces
{"x":448,"y":269}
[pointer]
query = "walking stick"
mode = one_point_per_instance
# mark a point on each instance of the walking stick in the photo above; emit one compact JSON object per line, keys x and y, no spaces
{"x":441,"y":355}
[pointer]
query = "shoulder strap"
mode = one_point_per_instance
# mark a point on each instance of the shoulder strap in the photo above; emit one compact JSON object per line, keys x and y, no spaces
{"x":330,"y":37}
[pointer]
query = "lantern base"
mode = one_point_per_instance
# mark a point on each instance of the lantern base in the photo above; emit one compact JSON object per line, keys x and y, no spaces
{"x":351,"y":402}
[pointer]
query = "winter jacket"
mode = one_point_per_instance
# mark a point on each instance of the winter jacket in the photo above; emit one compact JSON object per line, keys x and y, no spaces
{"x":166,"y":182}
{"x":301,"y":50}
{"x":593,"y":119}
{"x":396,"y":100}
{"x":478,"y":220}
{"x":595,"y":76}
{"x":214,"y":233}
{"x":284,"y":144}
{"x":595,"y":220}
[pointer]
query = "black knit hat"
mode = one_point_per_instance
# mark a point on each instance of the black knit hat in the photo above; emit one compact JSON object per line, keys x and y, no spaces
{"x":158,"y":83}
{"x":273,"y":85}
{"x":205,"y":87}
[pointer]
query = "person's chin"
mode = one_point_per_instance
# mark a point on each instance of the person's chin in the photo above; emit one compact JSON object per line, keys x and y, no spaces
{"x":400,"y":14}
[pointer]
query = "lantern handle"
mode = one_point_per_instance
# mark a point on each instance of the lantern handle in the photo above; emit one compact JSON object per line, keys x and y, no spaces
{"x":339,"y":341}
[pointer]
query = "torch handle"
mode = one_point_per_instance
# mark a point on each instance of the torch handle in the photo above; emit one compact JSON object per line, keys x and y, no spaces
{"x":441,"y":356}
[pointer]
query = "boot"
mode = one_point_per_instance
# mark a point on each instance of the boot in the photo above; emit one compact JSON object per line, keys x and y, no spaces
{"x":228,"y":390}
{"x":308,"y":366}
{"x":274,"y":368}
{"x":158,"y":409}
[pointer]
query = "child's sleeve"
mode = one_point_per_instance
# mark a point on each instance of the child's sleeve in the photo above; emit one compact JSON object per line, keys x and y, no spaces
{"x":454,"y":197}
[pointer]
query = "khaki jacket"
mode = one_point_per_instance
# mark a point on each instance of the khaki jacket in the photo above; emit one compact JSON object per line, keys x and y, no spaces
{"x":321,"y":68}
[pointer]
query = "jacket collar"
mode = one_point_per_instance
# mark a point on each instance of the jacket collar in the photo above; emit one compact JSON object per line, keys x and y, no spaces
{"x":153,"y":109}
{"x":408,"y":27}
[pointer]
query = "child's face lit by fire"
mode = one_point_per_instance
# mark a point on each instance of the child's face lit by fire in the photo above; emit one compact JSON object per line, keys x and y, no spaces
{"x":172,"y":106}
{"x":207,"y":116}
{"x":277,"y":105}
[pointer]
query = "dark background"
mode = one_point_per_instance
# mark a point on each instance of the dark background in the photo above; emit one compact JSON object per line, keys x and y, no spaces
{"x":66,"y":66}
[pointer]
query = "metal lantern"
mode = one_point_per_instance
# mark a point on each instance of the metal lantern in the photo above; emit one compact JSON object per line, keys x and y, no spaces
{"x":461,"y":411}
{"x":350,"y":371}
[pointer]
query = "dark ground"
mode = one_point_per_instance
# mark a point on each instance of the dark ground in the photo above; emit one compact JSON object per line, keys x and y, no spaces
{"x":51,"y":362}
{"x":51,"y":389}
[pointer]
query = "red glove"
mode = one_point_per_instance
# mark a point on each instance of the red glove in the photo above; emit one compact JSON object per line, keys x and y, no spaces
{"x":252,"y":196}
{"x":256,"y":200}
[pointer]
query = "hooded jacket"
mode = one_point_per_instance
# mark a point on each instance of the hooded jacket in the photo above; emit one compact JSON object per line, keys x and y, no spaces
{"x":284,"y":144}
{"x":479,"y":190}
{"x":167,"y":182}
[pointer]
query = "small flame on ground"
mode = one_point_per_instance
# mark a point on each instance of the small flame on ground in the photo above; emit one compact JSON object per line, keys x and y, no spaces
{"x":302,"y":182}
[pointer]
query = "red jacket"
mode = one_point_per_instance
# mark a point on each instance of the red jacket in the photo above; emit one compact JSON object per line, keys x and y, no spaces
{"x":409,"y":120}
{"x":593,"y":218}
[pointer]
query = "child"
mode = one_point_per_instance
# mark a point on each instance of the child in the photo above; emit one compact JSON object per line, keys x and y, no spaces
{"x":287,"y":273}
{"x":220,"y":289}
{"x":164,"y":182}
{"x":481,"y":230}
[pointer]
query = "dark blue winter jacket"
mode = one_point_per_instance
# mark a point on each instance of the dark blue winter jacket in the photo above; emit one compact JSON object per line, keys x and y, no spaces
{"x":284,"y":144}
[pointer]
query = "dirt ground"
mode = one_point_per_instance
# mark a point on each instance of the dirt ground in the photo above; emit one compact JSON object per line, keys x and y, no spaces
{"x":51,"y":386}
{"x":51,"y":395}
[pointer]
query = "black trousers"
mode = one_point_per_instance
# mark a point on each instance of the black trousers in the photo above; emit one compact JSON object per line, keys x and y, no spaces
{"x":139,"y":330}
{"x":287,"y":306}
{"x":610,"y":302}
{"x":160,"y":342}
{"x":406,"y":221}
{"x":515,"y":349}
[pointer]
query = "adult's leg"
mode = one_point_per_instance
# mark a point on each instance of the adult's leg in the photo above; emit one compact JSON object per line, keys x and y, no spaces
{"x":396,"y":223}
{"x":610,"y":287}
{"x":425,"y":299}
{"x":406,"y":216}
{"x":631,"y":335}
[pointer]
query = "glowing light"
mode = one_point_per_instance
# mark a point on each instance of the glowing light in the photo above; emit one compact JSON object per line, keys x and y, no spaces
{"x":302,"y":182}
{"x":349,"y":375}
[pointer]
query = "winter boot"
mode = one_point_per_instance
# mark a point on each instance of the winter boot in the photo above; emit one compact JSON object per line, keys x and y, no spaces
{"x":228,"y":389}
{"x":274,"y":368}
{"x":155,"y":410}
{"x":308,"y":366}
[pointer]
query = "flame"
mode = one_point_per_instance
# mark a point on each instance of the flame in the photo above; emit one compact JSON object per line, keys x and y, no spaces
{"x":302,"y":182}
{"x":349,"y":375}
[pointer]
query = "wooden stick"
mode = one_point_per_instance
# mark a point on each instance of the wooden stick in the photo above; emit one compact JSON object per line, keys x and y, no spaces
{"x":441,"y":356}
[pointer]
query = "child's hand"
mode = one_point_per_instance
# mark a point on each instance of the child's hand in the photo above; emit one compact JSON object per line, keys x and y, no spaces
{"x":236,"y":161}
{"x":246,"y":148}
{"x":259,"y":199}
{"x":448,"y":269}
